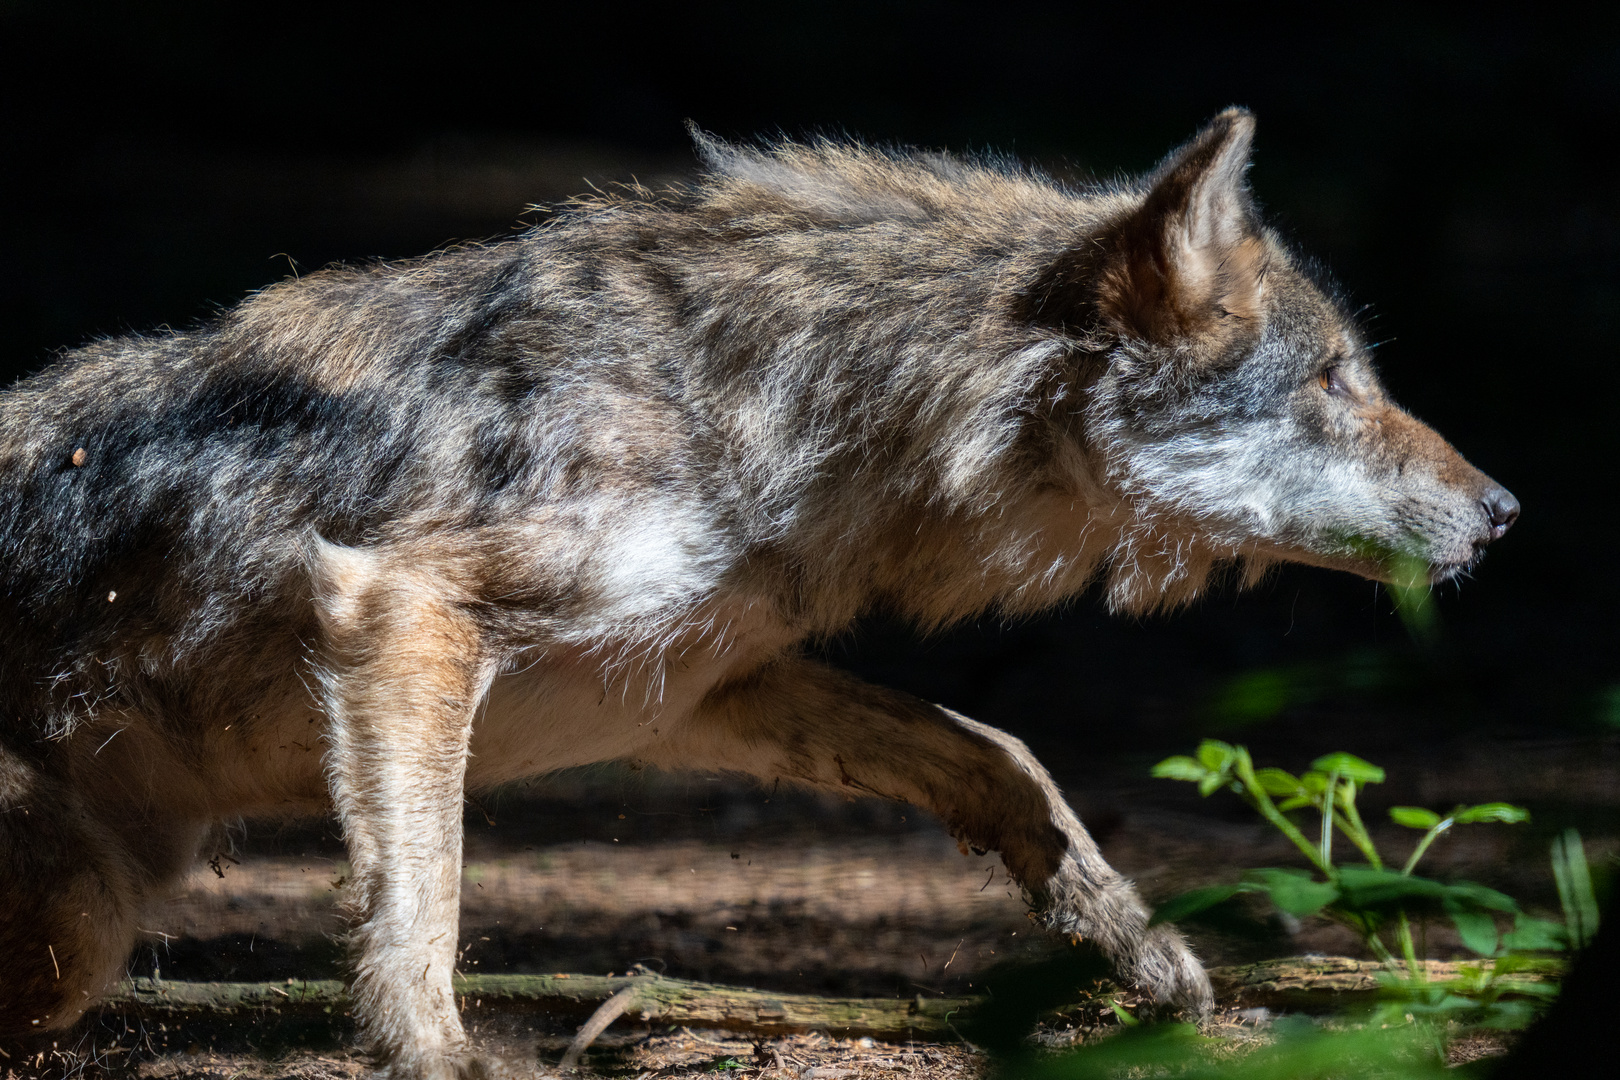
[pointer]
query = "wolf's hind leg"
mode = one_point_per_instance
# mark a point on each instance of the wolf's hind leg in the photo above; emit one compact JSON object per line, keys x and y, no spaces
{"x":403,"y":671}
{"x":72,"y":888}
{"x":805,"y":722}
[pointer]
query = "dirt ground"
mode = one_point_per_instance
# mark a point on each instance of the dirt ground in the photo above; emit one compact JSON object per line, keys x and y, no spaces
{"x":701,"y":878}
{"x":511,"y":1047}
{"x":678,"y":1054}
{"x":707,"y":879}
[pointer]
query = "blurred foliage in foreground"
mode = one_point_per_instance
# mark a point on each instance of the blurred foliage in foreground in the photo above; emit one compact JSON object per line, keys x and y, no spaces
{"x":1404,"y":1036}
{"x":1381,"y":903}
{"x":1302,"y":1051}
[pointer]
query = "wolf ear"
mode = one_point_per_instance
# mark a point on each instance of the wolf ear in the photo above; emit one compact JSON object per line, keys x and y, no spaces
{"x":1185,"y":268}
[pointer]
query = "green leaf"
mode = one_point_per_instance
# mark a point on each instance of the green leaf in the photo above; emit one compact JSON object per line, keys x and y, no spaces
{"x":1211,"y":783}
{"x":1479,"y":896}
{"x":1125,"y":1018}
{"x":1294,"y":891}
{"x":1367,"y":889}
{"x":1607,"y":704}
{"x":1151,"y":1049}
{"x":1364,"y":887}
{"x":1192,"y":902}
{"x":1414,"y":817}
{"x":1277,"y":781}
{"x":1476,"y":928}
{"x":1574,"y":879}
{"x":1535,"y":935}
{"x":1492,"y":811}
{"x":1349,"y":767}
{"x":1180,"y":767}
{"x":1257,"y":696}
{"x":1215,"y":755}
{"x":1409,"y":585}
{"x":1295,"y":803}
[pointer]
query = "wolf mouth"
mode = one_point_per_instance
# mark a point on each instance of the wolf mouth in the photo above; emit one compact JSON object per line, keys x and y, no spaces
{"x":1442,"y":572}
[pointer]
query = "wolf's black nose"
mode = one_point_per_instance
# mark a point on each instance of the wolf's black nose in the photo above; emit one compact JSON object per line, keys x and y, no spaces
{"x":1501,"y":510}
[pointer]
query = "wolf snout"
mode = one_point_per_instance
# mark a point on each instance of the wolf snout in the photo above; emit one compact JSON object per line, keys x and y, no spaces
{"x":1501,"y":510}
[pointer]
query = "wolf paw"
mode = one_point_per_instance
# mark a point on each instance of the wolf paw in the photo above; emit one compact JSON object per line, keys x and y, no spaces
{"x":1164,"y":967}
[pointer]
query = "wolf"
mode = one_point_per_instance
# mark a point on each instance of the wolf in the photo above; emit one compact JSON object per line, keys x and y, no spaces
{"x":382,"y":535}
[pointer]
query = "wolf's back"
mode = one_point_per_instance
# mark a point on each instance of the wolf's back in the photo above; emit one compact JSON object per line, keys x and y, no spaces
{"x":159,"y":486}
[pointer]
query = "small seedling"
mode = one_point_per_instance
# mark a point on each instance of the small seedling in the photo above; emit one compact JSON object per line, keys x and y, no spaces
{"x":1380,"y":903}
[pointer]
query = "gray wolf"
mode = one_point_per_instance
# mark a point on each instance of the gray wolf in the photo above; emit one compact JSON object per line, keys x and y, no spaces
{"x":378,"y":536}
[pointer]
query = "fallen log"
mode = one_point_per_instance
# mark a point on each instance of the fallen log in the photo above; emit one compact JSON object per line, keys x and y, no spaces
{"x":1311,"y":984}
{"x":1318,"y":983}
{"x":656,"y":999}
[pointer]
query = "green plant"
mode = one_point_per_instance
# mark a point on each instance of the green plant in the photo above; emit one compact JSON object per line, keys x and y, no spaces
{"x":1381,"y":903}
{"x":1301,"y":1051}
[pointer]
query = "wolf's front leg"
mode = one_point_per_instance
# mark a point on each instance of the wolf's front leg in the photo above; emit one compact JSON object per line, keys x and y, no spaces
{"x":403,"y":670}
{"x":805,"y":722}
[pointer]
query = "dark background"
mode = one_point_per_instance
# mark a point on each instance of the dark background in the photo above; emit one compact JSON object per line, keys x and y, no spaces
{"x":160,"y":161}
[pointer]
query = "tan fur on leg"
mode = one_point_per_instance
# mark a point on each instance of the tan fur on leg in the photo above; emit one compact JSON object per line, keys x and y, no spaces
{"x":403,"y":672}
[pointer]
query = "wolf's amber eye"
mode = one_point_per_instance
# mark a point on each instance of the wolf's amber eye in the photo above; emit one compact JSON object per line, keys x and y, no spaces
{"x":1332,"y":381}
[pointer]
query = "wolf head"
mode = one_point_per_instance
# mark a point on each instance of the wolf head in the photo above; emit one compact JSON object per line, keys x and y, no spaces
{"x":1238,"y":402}
{"x":1141,"y":382}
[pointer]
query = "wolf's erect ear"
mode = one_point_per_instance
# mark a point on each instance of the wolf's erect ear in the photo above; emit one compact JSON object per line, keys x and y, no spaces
{"x":1186,"y":268}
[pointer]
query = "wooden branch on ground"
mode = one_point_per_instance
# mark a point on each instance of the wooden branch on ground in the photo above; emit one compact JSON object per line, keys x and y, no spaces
{"x":656,"y":999}
{"x":1317,"y":983}
{"x":1304,"y":983}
